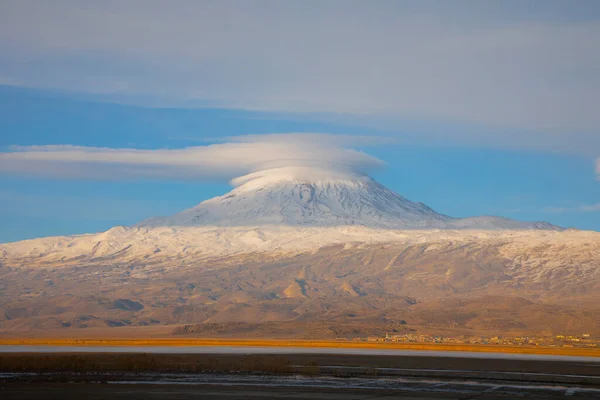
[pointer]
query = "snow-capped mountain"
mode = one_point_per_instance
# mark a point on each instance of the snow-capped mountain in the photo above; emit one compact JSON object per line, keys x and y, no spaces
{"x":291,"y":246}
{"x":310,"y":197}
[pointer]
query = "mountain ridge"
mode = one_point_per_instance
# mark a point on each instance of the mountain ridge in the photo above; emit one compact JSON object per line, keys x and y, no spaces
{"x":300,"y":250}
{"x":354,"y":278}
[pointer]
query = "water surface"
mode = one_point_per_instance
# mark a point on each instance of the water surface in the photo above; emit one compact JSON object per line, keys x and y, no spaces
{"x":283,"y":350}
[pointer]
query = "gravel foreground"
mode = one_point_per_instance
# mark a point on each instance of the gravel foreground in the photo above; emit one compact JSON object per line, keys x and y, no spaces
{"x":297,"y":376}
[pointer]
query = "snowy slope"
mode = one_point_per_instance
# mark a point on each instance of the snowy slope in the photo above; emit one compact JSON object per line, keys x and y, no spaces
{"x":166,"y":247}
{"x":275,"y":210}
{"x":214,"y":275}
{"x":306,"y":198}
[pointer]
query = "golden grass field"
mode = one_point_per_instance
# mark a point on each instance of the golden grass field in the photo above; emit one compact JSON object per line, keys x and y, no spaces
{"x":541,"y":350}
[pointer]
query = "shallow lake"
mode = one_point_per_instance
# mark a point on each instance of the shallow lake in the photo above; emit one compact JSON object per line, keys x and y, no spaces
{"x":282,"y":350}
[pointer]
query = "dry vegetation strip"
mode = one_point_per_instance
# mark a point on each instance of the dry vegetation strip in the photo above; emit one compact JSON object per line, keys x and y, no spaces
{"x":571,"y":351}
{"x":141,"y":362}
{"x":119,"y":366}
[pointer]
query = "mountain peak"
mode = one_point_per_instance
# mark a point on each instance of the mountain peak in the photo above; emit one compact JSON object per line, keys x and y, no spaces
{"x":317,"y":197}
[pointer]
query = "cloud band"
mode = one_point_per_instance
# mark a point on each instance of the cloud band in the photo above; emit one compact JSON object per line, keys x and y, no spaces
{"x":242,"y":155}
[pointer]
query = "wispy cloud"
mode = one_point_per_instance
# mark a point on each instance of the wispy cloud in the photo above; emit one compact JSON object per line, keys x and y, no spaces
{"x":242,"y":155}
{"x":591,"y":207}
{"x":580,"y":208}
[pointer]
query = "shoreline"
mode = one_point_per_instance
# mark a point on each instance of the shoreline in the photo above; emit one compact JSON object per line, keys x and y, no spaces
{"x":169,"y":342}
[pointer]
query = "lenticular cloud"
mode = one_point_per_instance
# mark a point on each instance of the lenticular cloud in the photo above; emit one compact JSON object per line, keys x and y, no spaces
{"x":305,"y":154}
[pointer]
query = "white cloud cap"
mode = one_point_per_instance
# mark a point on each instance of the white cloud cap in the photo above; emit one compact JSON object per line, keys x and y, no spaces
{"x":297,"y":153}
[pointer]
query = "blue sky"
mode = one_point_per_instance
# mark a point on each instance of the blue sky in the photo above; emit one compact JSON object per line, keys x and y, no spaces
{"x":491,"y":106}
